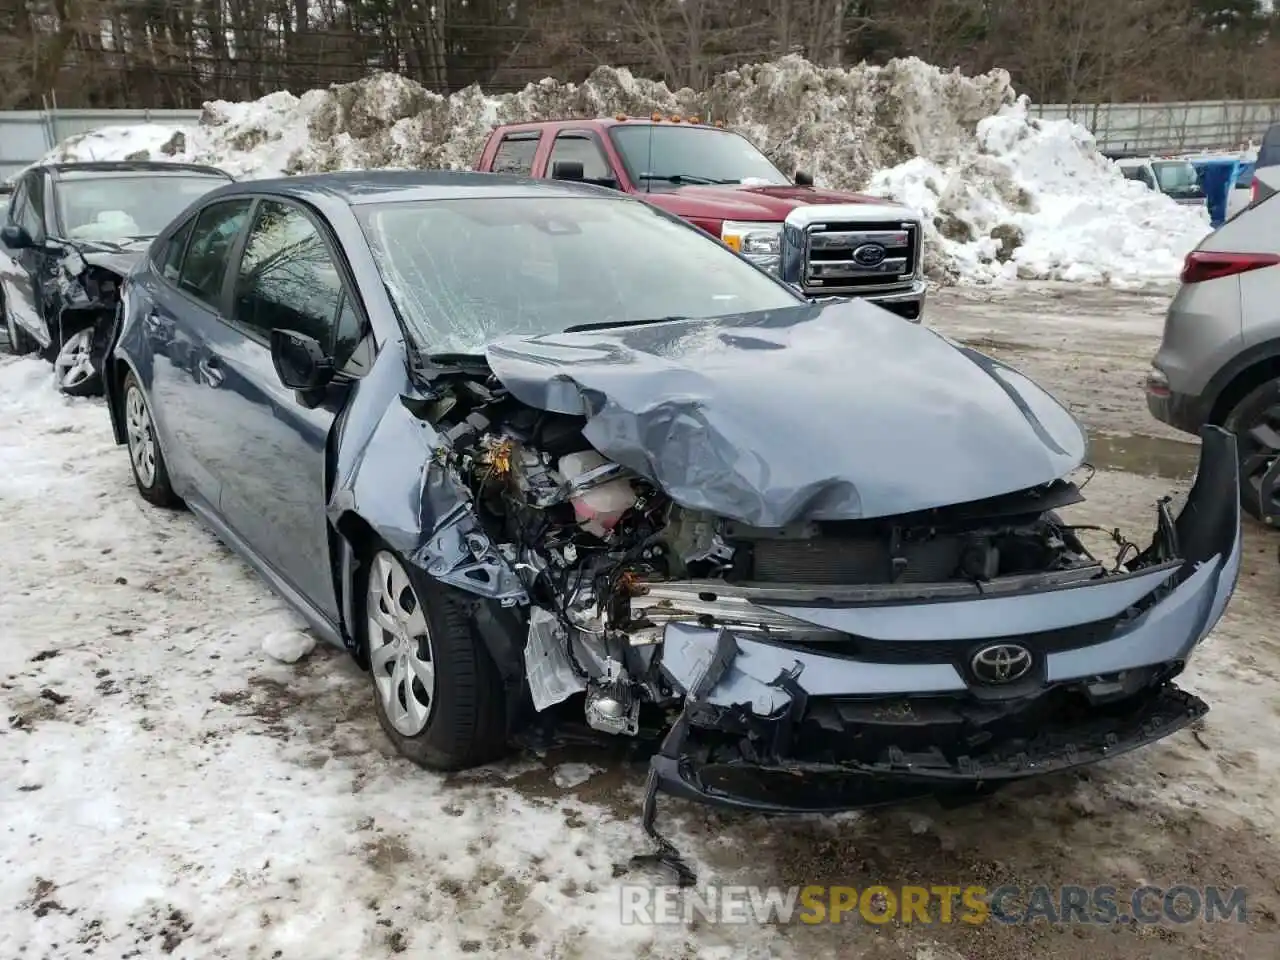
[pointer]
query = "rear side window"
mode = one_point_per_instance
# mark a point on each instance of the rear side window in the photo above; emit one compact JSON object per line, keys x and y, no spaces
{"x":171,"y":253}
{"x":515,"y":154}
{"x":205,"y":265}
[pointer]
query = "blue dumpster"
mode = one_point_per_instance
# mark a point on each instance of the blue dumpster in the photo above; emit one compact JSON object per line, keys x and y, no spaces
{"x":1217,"y":177}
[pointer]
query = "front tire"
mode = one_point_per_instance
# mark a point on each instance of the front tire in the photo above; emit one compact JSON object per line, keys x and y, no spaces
{"x":74,"y":368}
{"x":1255,"y":421}
{"x":436,"y":691}
{"x":150,"y":474}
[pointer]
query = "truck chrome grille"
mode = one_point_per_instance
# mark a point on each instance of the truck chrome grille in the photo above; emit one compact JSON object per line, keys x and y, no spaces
{"x":859,"y":257}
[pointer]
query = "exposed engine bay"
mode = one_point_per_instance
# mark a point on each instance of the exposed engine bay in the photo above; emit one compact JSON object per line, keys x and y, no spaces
{"x":608,"y":561}
{"x":814,"y":591}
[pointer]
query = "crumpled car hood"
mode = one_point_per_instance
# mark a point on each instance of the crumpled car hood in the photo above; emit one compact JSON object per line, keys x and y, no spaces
{"x":119,"y":257}
{"x":819,"y":412}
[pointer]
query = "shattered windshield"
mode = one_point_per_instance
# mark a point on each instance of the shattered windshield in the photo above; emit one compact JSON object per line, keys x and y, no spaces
{"x":120,"y":207}
{"x":655,"y":154}
{"x":465,"y":272}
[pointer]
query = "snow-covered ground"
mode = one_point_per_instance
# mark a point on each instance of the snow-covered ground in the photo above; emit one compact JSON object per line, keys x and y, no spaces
{"x":172,"y":788}
{"x":1005,"y":194}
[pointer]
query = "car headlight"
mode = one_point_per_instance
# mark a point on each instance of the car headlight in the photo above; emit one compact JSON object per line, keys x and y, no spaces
{"x":761,"y":243}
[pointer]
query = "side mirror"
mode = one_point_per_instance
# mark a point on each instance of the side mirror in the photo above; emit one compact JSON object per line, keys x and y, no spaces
{"x":567,"y":170}
{"x":15,"y":237}
{"x":804,"y":179}
{"x":300,"y":362}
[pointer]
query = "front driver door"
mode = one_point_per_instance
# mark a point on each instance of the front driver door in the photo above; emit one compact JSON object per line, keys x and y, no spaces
{"x":20,"y":268}
{"x":288,"y":278}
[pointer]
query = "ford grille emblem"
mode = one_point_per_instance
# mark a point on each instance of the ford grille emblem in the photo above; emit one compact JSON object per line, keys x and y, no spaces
{"x":869,"y":255}
{"x":1001,"y":663}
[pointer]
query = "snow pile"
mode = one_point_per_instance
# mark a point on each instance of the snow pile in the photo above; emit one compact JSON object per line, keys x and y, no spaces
{"x":1005,"y":194}
{"x":1033,"y":199}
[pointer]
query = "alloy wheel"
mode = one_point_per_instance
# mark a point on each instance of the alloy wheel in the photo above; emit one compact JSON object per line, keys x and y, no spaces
{"x":141,"y":436}
{"x":74,"y":363}
{"x":400,"y":653}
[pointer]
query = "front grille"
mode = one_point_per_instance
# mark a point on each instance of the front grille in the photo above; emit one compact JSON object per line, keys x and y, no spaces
{"x":833,"y":561}
{"x":843,"y":257}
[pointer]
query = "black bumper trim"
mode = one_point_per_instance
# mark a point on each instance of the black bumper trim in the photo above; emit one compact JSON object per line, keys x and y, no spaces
{"x":794,"y":787}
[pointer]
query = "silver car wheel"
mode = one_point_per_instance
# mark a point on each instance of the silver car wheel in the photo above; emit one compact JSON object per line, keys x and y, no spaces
{"x":400,"y":654}
{"x":141,"y":436}
{"x":74,"y":363}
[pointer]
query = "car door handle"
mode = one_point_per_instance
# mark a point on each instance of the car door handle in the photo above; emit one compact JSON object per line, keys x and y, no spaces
{"x":211,"y":371}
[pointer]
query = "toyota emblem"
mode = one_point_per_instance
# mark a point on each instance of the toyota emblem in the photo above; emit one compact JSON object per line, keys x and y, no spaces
{"x":1001,"y":663}
{"x":869,"y":255}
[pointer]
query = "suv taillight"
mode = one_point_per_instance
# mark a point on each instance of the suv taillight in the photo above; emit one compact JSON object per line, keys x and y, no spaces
{"x":1202,"y":265}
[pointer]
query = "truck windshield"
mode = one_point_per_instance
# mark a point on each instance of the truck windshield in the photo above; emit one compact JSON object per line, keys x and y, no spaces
{"x":664,"y":154}
{"x":464,"y":272}
{"x":1177,"y":178}
{"x":114,"y":207}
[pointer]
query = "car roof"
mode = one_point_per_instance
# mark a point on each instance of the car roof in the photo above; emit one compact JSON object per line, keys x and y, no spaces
{"x":107,"y":167}
{"x":360,"y":187}
{"x":602,"y":123}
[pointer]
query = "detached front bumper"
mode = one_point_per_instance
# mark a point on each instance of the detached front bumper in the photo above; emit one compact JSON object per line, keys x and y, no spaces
{"x":880,"y":698}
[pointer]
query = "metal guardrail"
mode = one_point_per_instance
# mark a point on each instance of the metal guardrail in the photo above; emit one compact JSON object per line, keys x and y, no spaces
{"x":1142,"y":129}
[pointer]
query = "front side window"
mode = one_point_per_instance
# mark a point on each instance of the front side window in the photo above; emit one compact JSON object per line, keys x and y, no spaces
{"x":287,"y":278}
{"x":18,"y":205}
{"x":1178,"y":179}
{"x":674,"y":154}
{"x":583,"y":149}
{"x":205,"y":264}
{"x":25,"y":207}
{"x":464,"y":272}
{"x":113,"y":207}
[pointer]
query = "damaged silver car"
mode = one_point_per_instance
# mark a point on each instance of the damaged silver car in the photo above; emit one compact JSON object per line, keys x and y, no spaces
{"x":72,"y":233}
{"x":534,"y":448}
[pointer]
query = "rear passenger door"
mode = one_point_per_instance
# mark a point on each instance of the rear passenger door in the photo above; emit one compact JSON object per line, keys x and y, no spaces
{"x":183,"y":316}
{"x":17,"y":267}
{"x":289,"y":277}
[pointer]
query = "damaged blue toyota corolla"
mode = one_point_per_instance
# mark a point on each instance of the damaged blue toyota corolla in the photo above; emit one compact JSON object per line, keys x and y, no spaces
{"x":522,"y":444}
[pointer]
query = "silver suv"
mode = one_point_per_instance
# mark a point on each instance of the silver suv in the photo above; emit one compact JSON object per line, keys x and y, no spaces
{"x":1219,"y":360}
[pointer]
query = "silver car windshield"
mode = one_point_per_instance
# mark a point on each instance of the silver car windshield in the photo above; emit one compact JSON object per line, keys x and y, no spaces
{"x":465,"y":272}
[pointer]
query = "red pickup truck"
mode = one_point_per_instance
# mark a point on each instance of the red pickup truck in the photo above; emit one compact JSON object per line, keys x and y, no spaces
{"x":826,"y":244}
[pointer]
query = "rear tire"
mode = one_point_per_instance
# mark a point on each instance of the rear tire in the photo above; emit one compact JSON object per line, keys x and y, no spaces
{"x":150,"y":474}
{"x":436,"y":691}
{"x":1255,"y":421}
